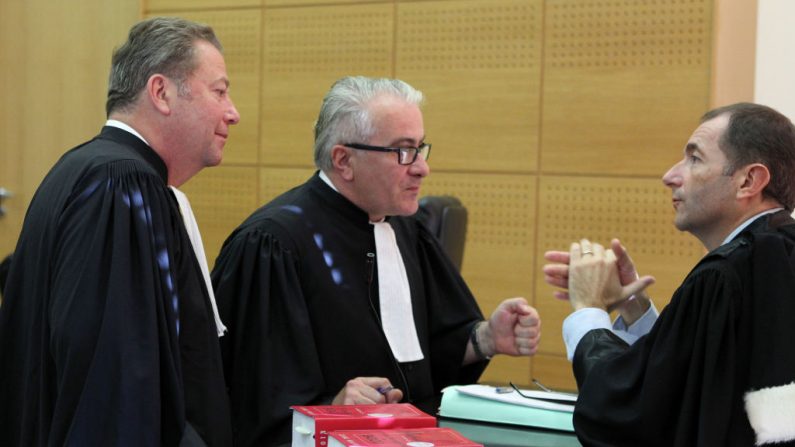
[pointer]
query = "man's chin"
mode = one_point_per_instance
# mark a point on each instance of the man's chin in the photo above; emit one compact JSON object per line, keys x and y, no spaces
{"x":681,"y":225}
{"x":410,"y":210}
{"x":215,"y":160}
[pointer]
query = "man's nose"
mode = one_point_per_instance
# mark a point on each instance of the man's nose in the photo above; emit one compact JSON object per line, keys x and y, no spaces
{"x":673,"y":177}
{"x":232,"y":116}
{"x":420,"y":167}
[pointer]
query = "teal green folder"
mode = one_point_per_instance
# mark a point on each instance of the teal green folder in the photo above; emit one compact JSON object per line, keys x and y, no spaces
{"x":482,"y":407}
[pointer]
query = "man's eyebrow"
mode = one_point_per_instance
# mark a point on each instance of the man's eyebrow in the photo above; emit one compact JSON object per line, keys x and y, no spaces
{"x":409,"y":140}
{"x":691,"y":148}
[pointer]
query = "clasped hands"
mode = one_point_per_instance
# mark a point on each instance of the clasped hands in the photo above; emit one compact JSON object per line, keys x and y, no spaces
{"x":593,"y":276}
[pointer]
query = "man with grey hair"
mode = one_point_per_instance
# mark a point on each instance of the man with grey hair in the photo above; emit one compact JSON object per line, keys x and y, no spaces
{"x":717,"y":367}
{"x":333,"y":295}
{"x":107,"y":327}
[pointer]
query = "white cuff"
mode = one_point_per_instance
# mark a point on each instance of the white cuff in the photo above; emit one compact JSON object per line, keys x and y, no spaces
{"x":579,"y":323}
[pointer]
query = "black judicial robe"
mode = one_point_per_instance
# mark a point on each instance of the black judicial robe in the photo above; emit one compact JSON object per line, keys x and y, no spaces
{"x":106,"y":331}
{"x":727,"y":331}
{"x":300,"y":298}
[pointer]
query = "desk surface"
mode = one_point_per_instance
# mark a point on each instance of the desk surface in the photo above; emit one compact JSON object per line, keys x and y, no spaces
{"x":498,"y":435}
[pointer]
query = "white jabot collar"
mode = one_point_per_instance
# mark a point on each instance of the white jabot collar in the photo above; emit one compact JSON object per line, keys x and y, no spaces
{"x":394,"y":293}
{"x":192,"y":228}
{"x":394,"y":296}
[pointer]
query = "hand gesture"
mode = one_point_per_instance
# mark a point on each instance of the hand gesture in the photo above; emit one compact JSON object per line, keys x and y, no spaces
{"x":593,"y":278}
{"x":514,"y":328}
{"x":368,"y":390}
{"x":557,"y":274}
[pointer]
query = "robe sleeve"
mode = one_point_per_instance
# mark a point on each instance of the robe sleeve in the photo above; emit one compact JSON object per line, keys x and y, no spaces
{"x":113,"y":314}
{"x":270,"y":357}
{"x":452,"y":313}
{"x":676,"y":386}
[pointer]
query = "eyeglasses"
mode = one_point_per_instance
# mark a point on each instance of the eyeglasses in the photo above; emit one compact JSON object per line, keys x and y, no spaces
{"x":406,"y":155}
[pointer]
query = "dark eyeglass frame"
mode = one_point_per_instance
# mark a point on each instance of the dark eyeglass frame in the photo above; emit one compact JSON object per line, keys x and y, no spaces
{"x":516,"y":388}
{"x":405,"y":155}
{"x":538,"y":384}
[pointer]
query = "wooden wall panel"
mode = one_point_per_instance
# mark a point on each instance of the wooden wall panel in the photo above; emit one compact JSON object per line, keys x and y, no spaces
{"x":12,"y":78}
{"x":498,"y":258}
{"x":12,"y":51}
{"x":158,"y":6}
{"x":738,"y":33}
{"x":305,"y":50}
{"x":624,"y":83}
{"x":478,"y":62}
{"x":55,"y":59}
{"x":269,"y":3}
{"x":553,"y":371}
{"x":551,"y":120}
{"x":221,"y":198}
{"x":66,"y":95}
{"x":637,"y":211}
{"x":239,"y":33}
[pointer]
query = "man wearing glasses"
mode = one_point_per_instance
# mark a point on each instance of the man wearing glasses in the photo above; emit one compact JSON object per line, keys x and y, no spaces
{"x":332,"y":295}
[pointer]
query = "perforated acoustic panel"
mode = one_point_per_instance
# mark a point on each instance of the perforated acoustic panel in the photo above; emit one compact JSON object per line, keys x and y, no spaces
{"x":221,"y":197}
{"x":624,"y":83}
{"x":637,"y":211}
{"x":239,"y":33}
{"x":498,"y":257}
{"x":274,"y":181}
{"x":478,"y":62}
{"x":305,"y":50}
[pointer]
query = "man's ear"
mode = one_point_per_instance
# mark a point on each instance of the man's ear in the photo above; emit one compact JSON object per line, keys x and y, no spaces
{"x":158,"y":90}
{"x":342,"y":161}
{"x":755,"y":177}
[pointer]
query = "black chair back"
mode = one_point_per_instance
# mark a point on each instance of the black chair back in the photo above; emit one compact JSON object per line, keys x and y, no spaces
{"x":4,"y":267}
{"x":446,"y":217}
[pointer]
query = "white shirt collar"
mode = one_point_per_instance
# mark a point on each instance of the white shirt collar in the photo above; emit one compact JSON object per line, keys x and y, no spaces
{"x":325,"y":178}
{"x":123,"y":126}
{"x":743,"y":225}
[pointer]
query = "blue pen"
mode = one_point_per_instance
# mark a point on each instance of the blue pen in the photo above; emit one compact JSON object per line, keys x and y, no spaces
{"x":385,"y":389}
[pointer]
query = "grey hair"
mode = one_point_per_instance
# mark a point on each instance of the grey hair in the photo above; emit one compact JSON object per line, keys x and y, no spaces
{"x":164,"y":45}
{"x":345,"y":116}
